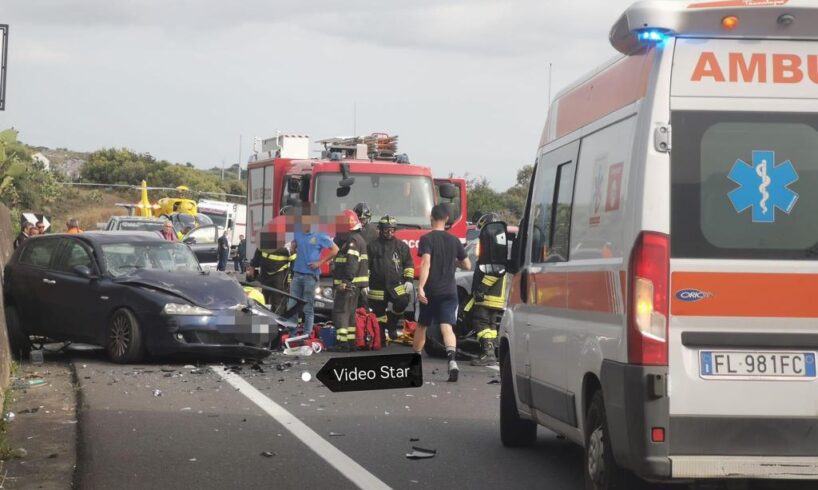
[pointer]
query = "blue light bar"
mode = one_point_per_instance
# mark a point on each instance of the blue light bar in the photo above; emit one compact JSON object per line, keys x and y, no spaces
{"x":652,"y":36}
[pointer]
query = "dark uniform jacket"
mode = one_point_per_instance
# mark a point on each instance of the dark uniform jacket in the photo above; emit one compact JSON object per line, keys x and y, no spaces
{"x":20,"y":239}
{"x":272,"y":262}
{"x":370,"y":232}
{"x":351,"y":265}
{"x":488,"y":288}
{"x":390,"y":266}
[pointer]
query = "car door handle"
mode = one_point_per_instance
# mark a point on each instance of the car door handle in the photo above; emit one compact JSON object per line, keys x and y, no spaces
{"x":49,"y":281}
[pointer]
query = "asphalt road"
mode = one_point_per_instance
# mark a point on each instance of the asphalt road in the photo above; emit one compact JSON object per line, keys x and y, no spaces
{"x":209,"y":427}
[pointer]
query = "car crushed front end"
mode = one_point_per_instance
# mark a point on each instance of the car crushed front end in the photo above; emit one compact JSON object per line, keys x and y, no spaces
{"x":202,"y":314}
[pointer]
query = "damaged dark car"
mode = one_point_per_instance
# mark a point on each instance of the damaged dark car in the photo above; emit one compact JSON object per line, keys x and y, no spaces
{"x":132,"y":293}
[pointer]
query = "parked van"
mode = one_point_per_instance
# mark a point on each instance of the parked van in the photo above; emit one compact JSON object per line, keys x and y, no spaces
{"x":663,"y":312}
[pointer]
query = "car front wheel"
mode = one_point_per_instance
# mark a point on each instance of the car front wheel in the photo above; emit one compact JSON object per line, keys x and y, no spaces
{"x":124,"y":339}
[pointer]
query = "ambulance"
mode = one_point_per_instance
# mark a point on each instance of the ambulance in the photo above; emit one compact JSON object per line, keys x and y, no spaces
{"x":663,"y":311}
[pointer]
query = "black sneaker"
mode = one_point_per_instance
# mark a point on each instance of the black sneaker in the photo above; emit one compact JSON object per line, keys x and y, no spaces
{"x":454,"y":371}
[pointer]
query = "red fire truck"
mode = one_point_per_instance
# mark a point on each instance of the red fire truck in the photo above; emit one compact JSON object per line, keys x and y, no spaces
{"x":350,"y":171}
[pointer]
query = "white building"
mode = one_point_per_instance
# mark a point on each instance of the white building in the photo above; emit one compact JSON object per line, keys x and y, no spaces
{"x":39,"y":157}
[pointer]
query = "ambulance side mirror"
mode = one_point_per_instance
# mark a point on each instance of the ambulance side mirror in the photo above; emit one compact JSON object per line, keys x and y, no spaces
{"x":493,"y":244}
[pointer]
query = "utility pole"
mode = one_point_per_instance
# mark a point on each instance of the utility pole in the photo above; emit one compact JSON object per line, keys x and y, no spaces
{"x":549,"y":84}
{"x":238,"y":176}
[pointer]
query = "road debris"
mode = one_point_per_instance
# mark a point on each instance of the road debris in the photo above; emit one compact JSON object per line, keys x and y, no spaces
{"x":414,"y":439}
{"x":336,"y":434}
{"x":421,"y":453}
{"x":494,"y":382}
{"x":268,"y":454}
{"x":30,"y":410}
{"x":19,"y":453}
{"x":157,"y":393}
{"x":284,"y":366}
{"x":9,"y":417}
{"x":257,"y":367}
{"x":36,"y":356}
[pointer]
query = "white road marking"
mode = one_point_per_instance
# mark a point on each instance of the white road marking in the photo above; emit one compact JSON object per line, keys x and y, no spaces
{"x":347,"y":466}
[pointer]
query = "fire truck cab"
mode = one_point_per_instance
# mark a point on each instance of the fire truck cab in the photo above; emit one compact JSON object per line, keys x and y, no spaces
{"x":351,"y":170}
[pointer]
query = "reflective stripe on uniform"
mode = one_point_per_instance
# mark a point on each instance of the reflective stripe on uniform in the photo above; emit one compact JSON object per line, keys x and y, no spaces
{"x":490,"y":280}
{"x":409,"y":273}
{"x":400,"y":290}
{"x":375,"y":294}
{"x":487,"y":333}
{"x":469,"y":305}
{"x":340,"y":260}
{"x":354,"y":252}
{"x":360,"y":279}
{"x":270,"y":256}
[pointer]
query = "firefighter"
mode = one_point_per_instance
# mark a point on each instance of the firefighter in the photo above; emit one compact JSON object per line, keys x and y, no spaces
{"x":486,"y":303}
{"x":370,"y":231}
{"x":391,"y":271}
{"x":275,"y":266}
{"x":350,"y":275}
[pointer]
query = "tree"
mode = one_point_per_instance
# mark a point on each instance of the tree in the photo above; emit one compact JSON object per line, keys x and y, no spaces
{"x":482,"y":198}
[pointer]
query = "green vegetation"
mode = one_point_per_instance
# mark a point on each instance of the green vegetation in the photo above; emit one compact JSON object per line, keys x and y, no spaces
{"x":24,"y":183}
{"x":509,"y":204}
{"x":123,"y":166}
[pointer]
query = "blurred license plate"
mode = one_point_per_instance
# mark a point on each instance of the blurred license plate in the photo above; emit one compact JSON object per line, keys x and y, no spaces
{"x":730,"y":364}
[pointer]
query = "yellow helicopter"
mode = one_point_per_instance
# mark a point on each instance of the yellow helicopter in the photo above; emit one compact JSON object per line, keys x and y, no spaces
{"x":164,"y":206}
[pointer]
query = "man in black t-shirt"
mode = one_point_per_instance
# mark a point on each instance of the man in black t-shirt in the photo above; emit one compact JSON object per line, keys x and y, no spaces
{"x":441,"y":253}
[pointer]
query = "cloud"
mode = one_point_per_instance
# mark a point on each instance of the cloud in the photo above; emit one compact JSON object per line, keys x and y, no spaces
{"x":477,"y":27}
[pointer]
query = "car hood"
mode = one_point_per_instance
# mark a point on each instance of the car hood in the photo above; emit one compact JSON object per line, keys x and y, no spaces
{"x":213,"y":291}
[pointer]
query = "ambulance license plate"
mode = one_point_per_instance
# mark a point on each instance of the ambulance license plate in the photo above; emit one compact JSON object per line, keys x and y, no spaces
{"x":733,"y":364}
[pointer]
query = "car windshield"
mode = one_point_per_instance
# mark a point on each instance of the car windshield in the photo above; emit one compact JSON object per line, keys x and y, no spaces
{"x":409,"y":198}
{"x":140,"y":225}
{"x":123,"y":258}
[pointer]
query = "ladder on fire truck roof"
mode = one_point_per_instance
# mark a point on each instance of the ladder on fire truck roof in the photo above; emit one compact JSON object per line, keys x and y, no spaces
{"x":379,"y":146}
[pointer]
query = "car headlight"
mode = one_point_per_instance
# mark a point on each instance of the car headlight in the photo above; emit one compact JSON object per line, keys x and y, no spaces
{"x":327,"y":292}
{"x":181,"y":309}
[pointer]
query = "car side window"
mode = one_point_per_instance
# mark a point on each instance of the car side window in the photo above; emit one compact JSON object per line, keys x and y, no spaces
{"x":203,"y":236}
{"x":75,"y":255}
{"x":38,"y":252}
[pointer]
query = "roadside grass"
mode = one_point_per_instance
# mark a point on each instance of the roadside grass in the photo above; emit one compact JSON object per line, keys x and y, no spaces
{"x":5,"y":450}
{"x":90,"y":207}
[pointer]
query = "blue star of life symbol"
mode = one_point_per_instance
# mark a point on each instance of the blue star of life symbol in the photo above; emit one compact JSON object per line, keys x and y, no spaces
{"x":763,"y":186}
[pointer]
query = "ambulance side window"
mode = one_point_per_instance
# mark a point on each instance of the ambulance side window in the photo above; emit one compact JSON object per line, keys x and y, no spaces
{"x":550,"y":213}
{"x":541,"y":212}
{"x":562,"y":213}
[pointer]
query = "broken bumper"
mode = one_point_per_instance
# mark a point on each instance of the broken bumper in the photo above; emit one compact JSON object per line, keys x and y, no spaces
{"x":229,"y":333}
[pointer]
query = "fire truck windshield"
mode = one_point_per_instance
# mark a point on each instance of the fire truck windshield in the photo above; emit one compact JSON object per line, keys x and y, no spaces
{"x":409,"y":198}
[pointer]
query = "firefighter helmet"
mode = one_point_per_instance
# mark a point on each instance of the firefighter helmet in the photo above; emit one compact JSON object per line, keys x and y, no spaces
{"x":352,"y":219}
{"x":486,"y":219}
{"x":363,"y":212}
{"x":387,"y":222}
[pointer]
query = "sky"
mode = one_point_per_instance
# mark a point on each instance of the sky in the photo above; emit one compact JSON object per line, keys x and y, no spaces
{"x":464,"y":83}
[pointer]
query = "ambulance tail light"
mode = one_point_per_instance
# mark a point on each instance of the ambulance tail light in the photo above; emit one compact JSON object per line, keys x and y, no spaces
{"x":648,"y":284}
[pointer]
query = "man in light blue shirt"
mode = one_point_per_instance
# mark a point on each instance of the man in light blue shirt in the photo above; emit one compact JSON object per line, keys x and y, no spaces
{"x":308,"y":246}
